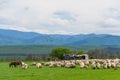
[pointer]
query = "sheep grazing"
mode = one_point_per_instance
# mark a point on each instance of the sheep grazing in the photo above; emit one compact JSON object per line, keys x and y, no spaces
{"x":39,"y":65}
{"x":98,"y":65}
{"x":109,"y":65}
{"x":24,"y":66}
{"x":95,"y":63}
{"x":62,"y":64}
{"x":82,"y":65}
{"x":86,"y":66}
{"x":33,"y":63}
{"x":22,"y":63}
{"x":14,"y":63}
{"x":86,"y":62}
{"x":58,"y":64}
{"x":94,"y":66}
{"x":105,"y":66}
{"x":113,"y":65}
{"x":47,"y":63}
{"x":118,"y":65}
{"x":70,"y":65}
{"x":51,"y":64}
{"x":73,"y":65}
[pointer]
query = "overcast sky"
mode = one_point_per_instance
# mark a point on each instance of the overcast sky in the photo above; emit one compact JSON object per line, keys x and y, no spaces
{"x":61,"y":16}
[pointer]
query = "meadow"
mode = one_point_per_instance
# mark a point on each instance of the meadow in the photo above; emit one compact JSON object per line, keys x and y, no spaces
{"x":45,"y":73}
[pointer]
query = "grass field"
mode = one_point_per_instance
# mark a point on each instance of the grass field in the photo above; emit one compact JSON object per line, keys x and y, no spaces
{"x":45,"y":73}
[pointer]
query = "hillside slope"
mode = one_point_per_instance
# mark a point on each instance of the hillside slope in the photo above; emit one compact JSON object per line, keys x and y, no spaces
{"x":12,"y":37}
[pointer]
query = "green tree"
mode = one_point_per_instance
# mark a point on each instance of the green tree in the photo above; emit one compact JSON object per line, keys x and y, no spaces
{"x":81,"y":52}
{"x":59,"y":52}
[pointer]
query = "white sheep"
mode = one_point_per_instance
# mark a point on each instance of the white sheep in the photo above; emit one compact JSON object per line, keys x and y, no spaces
{"x":98,"y":65}
{"x":105,"y":65}
{"x":70,"y":65}
{"x":33,"y":63}
{"x":24,"y":66}
{"x":113,"y":65}
{"x":82,"y":65}
{"x":94,"y":66}
{"x":39,"y":65}
{"x":118,"y":65}
{"x":109,"y":65}
{"x":22,"y":63}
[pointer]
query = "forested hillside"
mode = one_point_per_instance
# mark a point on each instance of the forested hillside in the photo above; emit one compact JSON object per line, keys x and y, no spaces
{"x":12,"y":37}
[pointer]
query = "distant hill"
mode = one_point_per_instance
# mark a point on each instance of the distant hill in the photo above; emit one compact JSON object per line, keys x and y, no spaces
{"x":99,"y":40}
{"x":13,"y":37}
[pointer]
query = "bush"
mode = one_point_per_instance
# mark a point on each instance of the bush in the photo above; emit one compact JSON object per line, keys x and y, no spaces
{"x":59,"y":52}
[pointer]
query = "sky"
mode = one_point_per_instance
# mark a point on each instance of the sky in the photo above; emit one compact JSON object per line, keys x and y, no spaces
{"x":61,"y":16}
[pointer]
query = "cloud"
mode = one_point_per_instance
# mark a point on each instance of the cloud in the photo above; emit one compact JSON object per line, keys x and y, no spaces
{"x":111,"y":21}
{"x":62,"y":22}
{"x":111,"y":18}
{"x":65,"y":16}
{"x":61,"y":16}
{"x":14,"y":28}
{"x":3,"y":3}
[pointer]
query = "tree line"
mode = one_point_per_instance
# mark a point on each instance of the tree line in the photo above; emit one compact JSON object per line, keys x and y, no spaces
{"x":58,"y":52}
{"x":101,"y":53}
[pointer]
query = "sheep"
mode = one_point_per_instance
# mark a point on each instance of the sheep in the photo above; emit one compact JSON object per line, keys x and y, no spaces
{"x":98,"y":65}
{"x":118,"y":65}
{"x":82,"y":65}
{"x":33,"y":63}
{"x":105,"y":65}
{"x":86,"y":66}
{"x":58,"y":64}
{"x":86,"y":62}
{"x":62,"y":64}
{"x":24,"y":66}
{"x":113,"y":65}
{"x":39,"y":65}
{"x":51,"y":64}
{"x":73,"y":65}
{"x":70,"y":65}
{"x":15,"y":63}
{"x":22,"y":63}
{"x":47,"y":63}
{"x":94,"y":65}
{"x":109,"y":65}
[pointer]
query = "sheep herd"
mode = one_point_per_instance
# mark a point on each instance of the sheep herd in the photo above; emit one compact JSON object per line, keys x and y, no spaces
{"x":93,"y":63}
{"x":90,"y":63}
{"x":25,"y":66}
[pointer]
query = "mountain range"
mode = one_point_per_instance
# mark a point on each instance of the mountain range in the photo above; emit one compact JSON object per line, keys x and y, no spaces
{"x":13,"y":37}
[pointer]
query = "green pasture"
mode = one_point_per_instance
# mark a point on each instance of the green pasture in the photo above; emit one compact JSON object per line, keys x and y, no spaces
{"x":45,"y":73}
